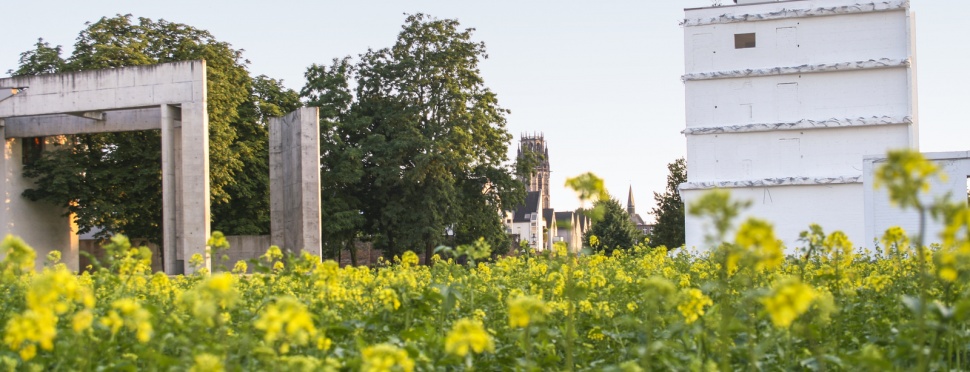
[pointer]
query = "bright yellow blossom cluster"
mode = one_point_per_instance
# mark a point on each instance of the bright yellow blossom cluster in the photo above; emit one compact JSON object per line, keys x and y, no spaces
{"x":468,"y":335}
{"x":788,"y":300}
{"x":526,"y":310}
{"x":128,"y":313}
{"x":385,"y":358}
{"x":693,"y":304}
{"x":286,"y":320}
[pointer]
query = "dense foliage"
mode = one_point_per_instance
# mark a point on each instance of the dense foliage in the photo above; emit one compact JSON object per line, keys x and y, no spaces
{"x":614,"y":230}
{"x":418,"y":146}
{"x":670,"y":210}
{"x":112,"y":181}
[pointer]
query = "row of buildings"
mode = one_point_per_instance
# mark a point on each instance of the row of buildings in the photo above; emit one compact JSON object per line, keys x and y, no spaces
{"x":536,"y":222}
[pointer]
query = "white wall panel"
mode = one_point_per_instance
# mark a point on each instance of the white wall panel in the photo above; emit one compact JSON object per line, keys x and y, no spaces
{"x":791,"y":209}
{"x":807,"y":153}
{"x":799,"y":41}
{"x":786,"y":98}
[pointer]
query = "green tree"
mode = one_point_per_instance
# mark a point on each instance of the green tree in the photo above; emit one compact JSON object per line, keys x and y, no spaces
{"x":341,"y":155}
{"x":247,"y":210}
{"x":113,"y":180}
{"x":669,"y":210}
{"x":43,"y":59}
{"x":421,"y":145}
{"x":614,"y":231}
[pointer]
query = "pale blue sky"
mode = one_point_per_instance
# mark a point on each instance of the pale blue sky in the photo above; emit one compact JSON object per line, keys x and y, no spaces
{"x":601,"y":79}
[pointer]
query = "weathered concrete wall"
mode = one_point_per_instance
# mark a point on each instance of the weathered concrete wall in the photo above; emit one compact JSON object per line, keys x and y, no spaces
{"x":41,"y":225}
{"x":294,"y":171}
{"x":243,"y":248}
{"x":786,"y":122}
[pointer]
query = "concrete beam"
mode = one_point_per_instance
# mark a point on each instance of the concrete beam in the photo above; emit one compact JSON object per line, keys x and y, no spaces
{"x":103,"y":90}
{"x":54,"y":125}
{"x":861,"y":7}
{"x":294,"y":170}
{"x":771,"y":182}
{"x":802,"y":69}
{"x":804,"y":124}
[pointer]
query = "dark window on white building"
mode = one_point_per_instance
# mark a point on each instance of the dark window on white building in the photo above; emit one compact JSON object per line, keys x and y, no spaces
{"x":742,"y":41}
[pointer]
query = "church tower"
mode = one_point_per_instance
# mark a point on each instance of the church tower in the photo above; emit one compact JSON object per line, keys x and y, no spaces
{"x":630,"y":207}
{"x":539,"y":179}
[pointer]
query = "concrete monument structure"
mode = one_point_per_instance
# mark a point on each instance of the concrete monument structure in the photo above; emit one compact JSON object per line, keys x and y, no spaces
{"x":170,"y":97}
{"x":294,"y":172}
{"x":785,"y":99}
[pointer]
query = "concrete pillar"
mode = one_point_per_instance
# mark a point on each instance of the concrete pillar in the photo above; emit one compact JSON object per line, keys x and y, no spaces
{"x":3,"y":182}
{"x":193,"y":182}
{"x":170,"y":135}
{"x":294,"y":171}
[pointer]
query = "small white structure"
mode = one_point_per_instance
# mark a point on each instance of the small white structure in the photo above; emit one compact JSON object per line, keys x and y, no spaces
{"x":784,"y":100}
{"x":880,"y":214}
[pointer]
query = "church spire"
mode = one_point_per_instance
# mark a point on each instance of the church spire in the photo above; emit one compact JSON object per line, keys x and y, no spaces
{"x":630,"y":207}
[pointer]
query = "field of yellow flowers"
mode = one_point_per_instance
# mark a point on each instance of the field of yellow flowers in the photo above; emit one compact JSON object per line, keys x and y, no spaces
{"x":742,"y":304}
{"x":738,"y":307}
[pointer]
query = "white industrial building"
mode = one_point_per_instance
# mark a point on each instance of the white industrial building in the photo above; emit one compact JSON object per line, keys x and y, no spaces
{"x":785,"y":100}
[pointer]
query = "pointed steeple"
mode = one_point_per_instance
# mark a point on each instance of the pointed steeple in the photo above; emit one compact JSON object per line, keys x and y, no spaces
{"x":630,"y":207}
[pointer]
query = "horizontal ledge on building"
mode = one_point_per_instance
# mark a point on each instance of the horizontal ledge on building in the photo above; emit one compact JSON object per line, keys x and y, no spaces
{"x":805,"y":124}
{"x":863,"y":7}
{"x":871,"y":64}
{"x":772,"y":182}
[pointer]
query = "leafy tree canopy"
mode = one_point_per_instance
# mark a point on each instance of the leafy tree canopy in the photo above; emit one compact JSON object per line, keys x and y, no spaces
{"x":614,"y":230}
{"x":418,"y":146}
{"x":669,"y":210}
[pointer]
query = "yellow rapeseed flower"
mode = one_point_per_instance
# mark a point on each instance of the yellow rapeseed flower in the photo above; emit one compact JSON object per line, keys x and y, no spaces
{"x":207,"y":363}
{"x":692,"y":307}
{"x":128,"y":313}
{"x":788,"y":300}
{"x":385,"y":358}
{"x":82,"y":321}
{"x":24,"y":331}
{"x":388,"y":298}
{"x":758,"y":237}
{"x":240,"y":267}
{"x":286,"y":320}
{"x":273,"y":253}
{"x":18,"y":256}
{"x":468,"y":335}
{"x":525,"y":310}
